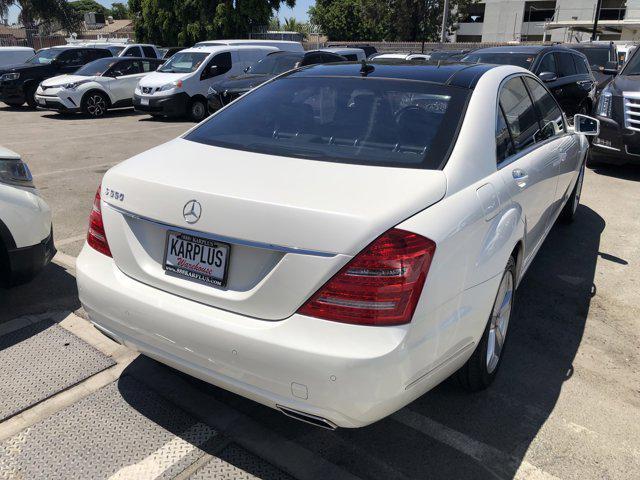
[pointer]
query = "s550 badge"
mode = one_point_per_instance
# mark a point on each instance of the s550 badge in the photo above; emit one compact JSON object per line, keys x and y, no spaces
{"x":110,"y":193}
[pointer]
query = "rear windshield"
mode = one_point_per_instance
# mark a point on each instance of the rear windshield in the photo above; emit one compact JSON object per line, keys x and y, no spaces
{"x":184,"y":62}
{"x":597,"y":57}
{"x":274,"y":64}
{"x":371,"y":121}
{"x":523,"y":60}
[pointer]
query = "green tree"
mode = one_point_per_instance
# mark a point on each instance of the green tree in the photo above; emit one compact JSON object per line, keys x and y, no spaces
{"x":392,"y":20}
{"x":44,"y":14}
{"x":119,"y":11}
{"x":86,"y":6}
{"x":185,"y":22}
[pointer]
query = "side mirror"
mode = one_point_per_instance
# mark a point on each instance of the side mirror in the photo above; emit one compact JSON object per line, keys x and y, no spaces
{"x":610,"y":68}
{"x":586,"y":125}
{"x":548,"y":77}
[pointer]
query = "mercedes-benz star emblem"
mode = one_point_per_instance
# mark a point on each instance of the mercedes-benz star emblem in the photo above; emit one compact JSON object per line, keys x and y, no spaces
{"x":192,"y":211}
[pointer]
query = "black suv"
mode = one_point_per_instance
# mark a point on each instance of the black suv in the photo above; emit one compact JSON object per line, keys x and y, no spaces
{"x":269,"y":67}
{"x":565,"y":72}
{"x":602,"y":59}
{"x":18,"y":83}
{"x":618,"y":110}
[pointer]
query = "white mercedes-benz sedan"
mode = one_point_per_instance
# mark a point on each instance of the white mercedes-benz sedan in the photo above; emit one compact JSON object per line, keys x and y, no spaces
{"x":339,"y":240}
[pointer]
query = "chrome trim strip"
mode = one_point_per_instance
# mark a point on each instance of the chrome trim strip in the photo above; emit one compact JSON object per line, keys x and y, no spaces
{"x":222,"y":238}
{"x":626,"y":149}
{"x":440,"y":365}
{"x":606,"y":147}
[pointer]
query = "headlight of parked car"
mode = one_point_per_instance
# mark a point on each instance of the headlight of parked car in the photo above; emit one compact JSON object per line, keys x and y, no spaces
{"x":73,"y":85}
{"x":10,"y":76}
{"x":171,"y":86}
{"x":15,"y":172}
{"x":604,"y":104}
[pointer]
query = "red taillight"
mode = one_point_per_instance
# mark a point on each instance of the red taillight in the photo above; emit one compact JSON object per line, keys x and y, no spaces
{"x":379,"y":286}
{"x":96,"y":237}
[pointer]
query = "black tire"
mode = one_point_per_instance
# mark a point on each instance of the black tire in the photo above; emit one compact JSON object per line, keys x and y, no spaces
{"x":30,"y":96}
{"x":14,"y":104}
{"x":198,"y":110}
{"x":479,"y":372}
{"x":568,"y":212}
{"x":95,"y":104}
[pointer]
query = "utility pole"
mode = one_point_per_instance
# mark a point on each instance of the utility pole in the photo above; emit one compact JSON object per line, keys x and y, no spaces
{"x":445,"y":16}
{"x":595,"y":20}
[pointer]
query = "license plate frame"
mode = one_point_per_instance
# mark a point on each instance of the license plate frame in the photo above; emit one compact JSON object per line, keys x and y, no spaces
{"x":144,"y":102}
{"x":189,"y":273}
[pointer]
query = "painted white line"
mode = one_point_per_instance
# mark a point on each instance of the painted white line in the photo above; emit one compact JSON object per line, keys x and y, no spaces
{"x":166,"y":456}
{"x":67,"y":241}
{"x":77,"y":169}
{"x":500,"y":464}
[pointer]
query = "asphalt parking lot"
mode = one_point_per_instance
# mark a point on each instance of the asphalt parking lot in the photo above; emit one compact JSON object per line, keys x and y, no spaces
{"x":73,"y":404}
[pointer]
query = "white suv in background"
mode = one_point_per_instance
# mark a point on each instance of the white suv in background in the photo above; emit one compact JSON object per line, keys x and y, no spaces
{"x":26,"y":236}
{"x":97,"y":87}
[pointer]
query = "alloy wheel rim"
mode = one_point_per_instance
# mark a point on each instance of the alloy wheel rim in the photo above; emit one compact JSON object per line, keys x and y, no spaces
{"x":96,"y":105}
{"x":499,"y":321}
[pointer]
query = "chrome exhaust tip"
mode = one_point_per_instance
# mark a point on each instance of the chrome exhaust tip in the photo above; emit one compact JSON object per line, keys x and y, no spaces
{"x":308,"y":418}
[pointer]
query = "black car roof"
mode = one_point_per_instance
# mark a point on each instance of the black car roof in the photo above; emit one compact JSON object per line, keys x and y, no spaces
{"x":459,"y":74}
{"x":526,"y":49}
{"x":600,"y":46}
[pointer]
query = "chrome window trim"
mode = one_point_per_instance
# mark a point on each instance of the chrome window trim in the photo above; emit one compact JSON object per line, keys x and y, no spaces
{"x":222,"y":238}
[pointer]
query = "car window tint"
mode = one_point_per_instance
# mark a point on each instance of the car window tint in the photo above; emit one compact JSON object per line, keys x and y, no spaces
{"x":351,"y":57}
{"x":222,"y":61}
{"x":149,"y":52}
{"x":565,"y":64}
{"x":132,"y":52}
{"x":504,"y":144}
{"x":548,"y":64}
{"x":125,"y":67}
{"x":581,"y":65}
{"x":150,"y":65}
{"x":519,"y":113}
{"x":312,"y":59}
{"x":547,"y":109}
{"x":71,"y":57}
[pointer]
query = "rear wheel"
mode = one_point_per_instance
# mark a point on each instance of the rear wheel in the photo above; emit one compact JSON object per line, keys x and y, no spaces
{"x":197,"y":110}
{"x":30,"y":96}
{"x":95,"y":104}
{"x":569,"y":211}
{"x":481,"y":369}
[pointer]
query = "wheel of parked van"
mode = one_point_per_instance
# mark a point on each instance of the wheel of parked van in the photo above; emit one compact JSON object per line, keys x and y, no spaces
{"x":95,"y":104}
{"x":481,"y":369}
{"x":198,"y":110}
{"x":571,"y":207}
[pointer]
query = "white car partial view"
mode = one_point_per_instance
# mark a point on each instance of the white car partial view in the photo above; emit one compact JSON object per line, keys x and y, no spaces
{"x":97,"y":87}
{"x":26,"y":235}
{"x":339,"y":240}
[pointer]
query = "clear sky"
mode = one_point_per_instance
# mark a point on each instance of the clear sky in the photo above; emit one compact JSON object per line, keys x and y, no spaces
{"x":299,"y":12}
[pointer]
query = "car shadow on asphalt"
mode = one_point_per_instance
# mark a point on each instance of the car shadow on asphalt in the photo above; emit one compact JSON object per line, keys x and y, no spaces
{"x":447,"y":433}
{"x":624,"y":172}
{"x":53,"y":289}
{"x":124,"y":112}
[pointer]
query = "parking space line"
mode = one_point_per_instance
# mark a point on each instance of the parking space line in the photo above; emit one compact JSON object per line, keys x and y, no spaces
{"x":168,"y":455}
{"x":77,"y":169}
{"x":64,"y":260}
{"x":500,"y":464}
{"x":69,"y":240}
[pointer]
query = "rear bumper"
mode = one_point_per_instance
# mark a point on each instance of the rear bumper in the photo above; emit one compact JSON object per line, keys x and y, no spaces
{"x":615,"y":144}
{"x":170,"y":105}
{"x":301,"y":363}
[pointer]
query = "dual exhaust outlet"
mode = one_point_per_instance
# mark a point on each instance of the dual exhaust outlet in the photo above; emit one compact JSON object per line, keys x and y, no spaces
{"x":308,"y":418}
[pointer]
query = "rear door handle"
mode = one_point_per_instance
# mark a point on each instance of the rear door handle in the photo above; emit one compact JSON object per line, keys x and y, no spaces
{"x":520,"y":176}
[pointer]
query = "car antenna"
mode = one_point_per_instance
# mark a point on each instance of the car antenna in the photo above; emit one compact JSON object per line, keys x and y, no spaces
{"x":366,"y":69}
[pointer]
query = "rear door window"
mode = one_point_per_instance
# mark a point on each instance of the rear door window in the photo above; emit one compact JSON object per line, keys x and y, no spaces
{"x":504,"y":144}
{"x":125,"y":67}
{"x":566,"y":65}
{"x":519,"y":113}
{"x":148,"y":51}
{"x":581,"y":65}
{"x":132,"y":52}
{"x":72,"y":58}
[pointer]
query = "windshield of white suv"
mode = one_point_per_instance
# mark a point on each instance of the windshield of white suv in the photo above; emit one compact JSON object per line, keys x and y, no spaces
{"x":96,"y":68}
{"x":373,"y":121}
{"x":523,"y":60}
{"x":274,"y":64}
{"x":184,"y":62}
{"x":45,"y":57}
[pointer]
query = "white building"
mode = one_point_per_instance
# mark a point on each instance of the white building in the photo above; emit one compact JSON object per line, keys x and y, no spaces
{"x":554,"y":20}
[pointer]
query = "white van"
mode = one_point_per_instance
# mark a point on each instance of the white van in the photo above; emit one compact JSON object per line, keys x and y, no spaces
{"x":351,"y":54}
{"x":179,"y":87}
{"x":15,"y":55}
{"x":284,"y":45}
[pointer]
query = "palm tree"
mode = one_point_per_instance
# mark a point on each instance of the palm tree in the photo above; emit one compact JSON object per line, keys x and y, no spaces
{"x":291,"y":25}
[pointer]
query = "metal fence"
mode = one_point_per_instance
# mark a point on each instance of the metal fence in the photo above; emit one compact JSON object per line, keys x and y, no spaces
{"x":36,"y":41}
{"x":387,"y":47}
